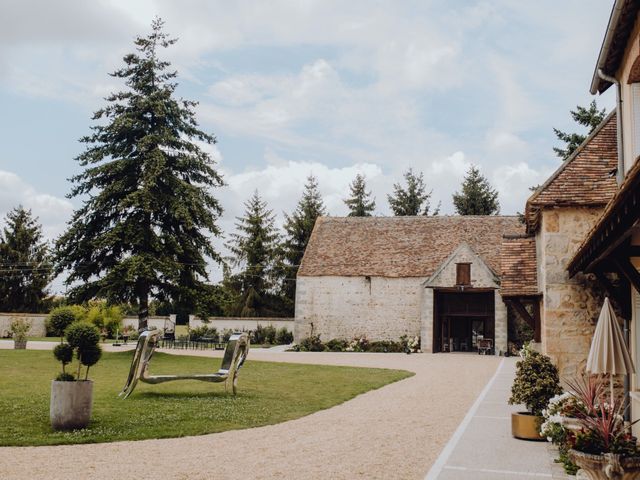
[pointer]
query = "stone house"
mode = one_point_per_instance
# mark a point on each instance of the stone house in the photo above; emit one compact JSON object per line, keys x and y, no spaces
{"x":384,"y":277}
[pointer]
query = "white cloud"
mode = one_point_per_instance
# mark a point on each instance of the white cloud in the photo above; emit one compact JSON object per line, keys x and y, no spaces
{"x":53,"y":212}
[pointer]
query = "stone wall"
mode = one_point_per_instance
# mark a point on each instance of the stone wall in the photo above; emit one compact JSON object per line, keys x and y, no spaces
{"x":239,"y":324}
{"x":570,"y":306}
{"x":346,"y":307}
{"x":37,"y":323}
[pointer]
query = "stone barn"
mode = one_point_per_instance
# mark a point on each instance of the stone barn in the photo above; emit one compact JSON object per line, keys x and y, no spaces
{"x":384,"y":277}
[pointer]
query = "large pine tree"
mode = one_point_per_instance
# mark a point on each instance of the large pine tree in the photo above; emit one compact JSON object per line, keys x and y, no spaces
{"x":254,"y":246}
{"x":360,"y":202}
{"x":477,"y":196}
{"x":589,"y":117}
{"x":298,"y":227}
{"x":24,"y":263}
{"x":412,"y":199}
{"x":148,"y":215}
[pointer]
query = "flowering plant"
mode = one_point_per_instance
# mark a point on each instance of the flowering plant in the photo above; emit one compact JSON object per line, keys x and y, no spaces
{"x":357,"y":345}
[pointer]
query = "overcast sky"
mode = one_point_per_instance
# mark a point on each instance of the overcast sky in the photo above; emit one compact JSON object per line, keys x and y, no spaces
{"x":298,"y":87}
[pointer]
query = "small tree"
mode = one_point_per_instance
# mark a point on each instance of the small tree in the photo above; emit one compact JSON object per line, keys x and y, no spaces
{"x":360,"y":202}
{"x":61,"y":317}
{"x":82,"y":341}
{"x":589,"y":117}
{"x":25,"y":261}
{"x":536,"y":382}
{"x":477,"y":196}
{"x":411,"y":199}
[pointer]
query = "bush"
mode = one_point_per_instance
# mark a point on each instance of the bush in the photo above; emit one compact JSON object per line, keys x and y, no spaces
{"x":284,"y":337}
{"x":108,"y":319}
{"x":195,"y":334}
{"x":311,"y":344}
{"x":60,"y":318}
{"x":336,"y":345}
{"x":19,"y":328}
{"x":386,"y":346}
{"x":264,"y":334}
{"x":82,"y":340}
{"x":536,"y":382}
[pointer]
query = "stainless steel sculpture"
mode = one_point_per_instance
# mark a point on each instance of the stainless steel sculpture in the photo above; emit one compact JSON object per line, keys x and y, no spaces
{"x":234,"y":356}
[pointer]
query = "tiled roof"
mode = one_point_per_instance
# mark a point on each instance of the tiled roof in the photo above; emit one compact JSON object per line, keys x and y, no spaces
{"x":401,"y":246}
{"x":584,"y":179}
{"x":518,"y":259}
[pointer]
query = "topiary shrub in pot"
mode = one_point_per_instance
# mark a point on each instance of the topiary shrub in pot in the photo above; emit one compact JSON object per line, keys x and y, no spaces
{"x":535,"y":384}
{"x":60,"y":318}
{"x":72,"y":395}
{"x":19,"y":328}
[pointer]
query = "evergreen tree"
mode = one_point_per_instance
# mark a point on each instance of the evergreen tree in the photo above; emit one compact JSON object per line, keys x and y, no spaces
{"x":360,"y":203}
{"x":589,"y":117}
{"x":298,"y":227}
{"x":144,"y":229}
{"x":477,"y":196}
{"x":254,"y":246}
{"x":24,"y":260}
{"x":412,"y":199}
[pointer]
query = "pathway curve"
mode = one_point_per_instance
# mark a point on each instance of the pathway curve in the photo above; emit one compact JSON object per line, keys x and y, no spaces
{"x":395,"y":432}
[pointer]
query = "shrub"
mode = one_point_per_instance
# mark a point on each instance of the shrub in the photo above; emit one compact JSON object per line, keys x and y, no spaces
{"x":336,"y":345}
{"x":19,"y":328}
{"x":284,"y":337}
{"x":264,"y":334}
{"x":536,"y":382}
{"x":197,"y":333}
{"x":311,"y":344}
{"x":386,"y":346}
{"x":82,"y":340}
{"x":108,"y":319}
{"x":60,"y":318}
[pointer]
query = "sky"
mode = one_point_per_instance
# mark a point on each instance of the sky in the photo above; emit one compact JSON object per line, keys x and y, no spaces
{"x":292,"y":88}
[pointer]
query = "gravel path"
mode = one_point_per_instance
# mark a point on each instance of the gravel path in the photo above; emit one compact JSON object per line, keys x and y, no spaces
{"x":393,"y":432}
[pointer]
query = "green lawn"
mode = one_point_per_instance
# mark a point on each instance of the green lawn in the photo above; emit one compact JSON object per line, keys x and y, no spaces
{"x":268,"y":393}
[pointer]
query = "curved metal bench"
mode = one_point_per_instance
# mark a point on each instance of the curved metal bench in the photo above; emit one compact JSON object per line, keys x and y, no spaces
{"x":234,"y":356}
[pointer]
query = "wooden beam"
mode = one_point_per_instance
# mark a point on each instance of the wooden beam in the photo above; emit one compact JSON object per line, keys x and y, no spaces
{"x":522,"y":312}
{"x":629,"y":271}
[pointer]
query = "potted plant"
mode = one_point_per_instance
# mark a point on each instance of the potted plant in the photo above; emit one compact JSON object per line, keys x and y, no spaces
{"x":603,"y":447}
{"x":19,"y":328}
{"x":72,"y":395}
{"x":535,"y":384}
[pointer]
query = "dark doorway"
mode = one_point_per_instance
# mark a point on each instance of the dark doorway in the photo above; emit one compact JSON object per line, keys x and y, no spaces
{"x":462,"y":319}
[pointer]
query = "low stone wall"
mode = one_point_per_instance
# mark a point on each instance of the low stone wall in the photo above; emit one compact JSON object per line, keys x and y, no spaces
{"x":37,"y":323}
{"x":155,"y":321}
{"x":238,"y":324}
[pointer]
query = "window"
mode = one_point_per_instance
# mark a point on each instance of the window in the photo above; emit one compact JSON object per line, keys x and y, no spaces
{"x":463,"y":274}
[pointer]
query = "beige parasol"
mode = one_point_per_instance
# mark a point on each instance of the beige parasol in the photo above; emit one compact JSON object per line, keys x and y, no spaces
{"x":609,"y":353}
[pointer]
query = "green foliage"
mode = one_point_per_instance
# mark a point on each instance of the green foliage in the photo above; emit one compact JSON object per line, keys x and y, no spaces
{"x":284,"y":336}
{"x":63,"y":353}
{"x":412,"y":199}
{"x":589,"y":117}
{"x":107,"y":318}
{"x":264,"y":334}
{"x":90,"y":355}
{"x":298,"y":227}
{"x":60,"y":318}
{"x":203,"y":331}
{"x":477,"y":197}
{"x":148,"y":214}
{"x":360,"y":203}
{"x":82,"y":340}
{"x":26,"y":263}
{"x":360,"y":344}
{"x":65,"y":377}
{"x":536,"y":382}
{"x":82,"y":335}
{"x":19,"y":327}
{"x":336,"y":345}
{"x":311,"y":344}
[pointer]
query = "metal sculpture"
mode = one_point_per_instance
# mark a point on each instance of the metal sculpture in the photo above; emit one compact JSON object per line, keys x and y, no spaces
{"x":234,"y":356}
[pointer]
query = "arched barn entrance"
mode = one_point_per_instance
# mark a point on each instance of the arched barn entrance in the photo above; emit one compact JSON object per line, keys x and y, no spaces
{"x":462,"y":319}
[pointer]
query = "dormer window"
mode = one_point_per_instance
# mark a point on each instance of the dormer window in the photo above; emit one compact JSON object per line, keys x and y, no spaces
{"x":463,"y":274}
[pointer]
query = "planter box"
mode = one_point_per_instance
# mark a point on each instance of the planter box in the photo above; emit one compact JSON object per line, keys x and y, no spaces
{"x":19,"y":345}
{"x":605,"y":467}
{"x":526,"y":426}
{"x":71,"y":404}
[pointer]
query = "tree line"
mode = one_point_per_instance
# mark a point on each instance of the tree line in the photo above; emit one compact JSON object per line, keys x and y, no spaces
{"x":142,"y":235}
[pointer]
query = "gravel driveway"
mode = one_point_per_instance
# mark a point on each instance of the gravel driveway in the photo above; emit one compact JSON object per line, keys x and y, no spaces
{"x":393,"y":432}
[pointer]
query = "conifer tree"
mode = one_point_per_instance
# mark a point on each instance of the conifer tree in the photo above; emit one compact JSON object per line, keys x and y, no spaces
{"x":254,"y":246}
{"x":24,"y":263}
{"x":477,"y":196}
{"x":145,"y":226}
{"x":360,"y":203}
{"x":298,"y":227}
{"x":412,"y":199}
{"x":589,"y":117}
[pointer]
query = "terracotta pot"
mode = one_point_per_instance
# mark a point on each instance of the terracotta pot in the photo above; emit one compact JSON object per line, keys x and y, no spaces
{"x":19,"y":344}
{"x":605,"y":467}
{"x":526,"y":426}
{"x":71,"y":403}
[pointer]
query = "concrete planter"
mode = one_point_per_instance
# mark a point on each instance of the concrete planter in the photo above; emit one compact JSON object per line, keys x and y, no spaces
{"x":605,"y":467}
{"x":526,"y":426}
{"x":71,"y":403}
{"x":19,"y":344}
